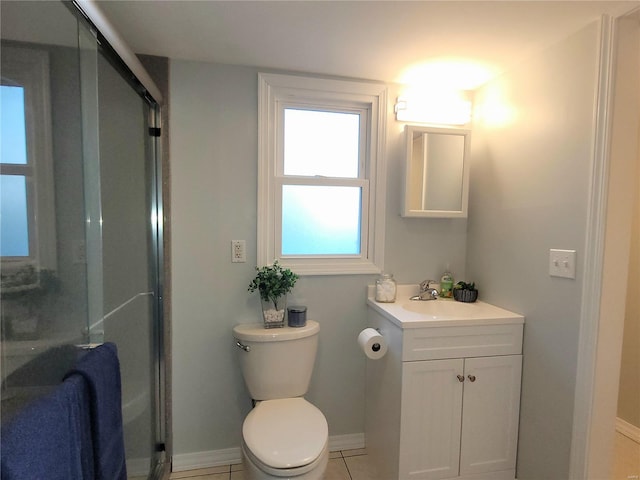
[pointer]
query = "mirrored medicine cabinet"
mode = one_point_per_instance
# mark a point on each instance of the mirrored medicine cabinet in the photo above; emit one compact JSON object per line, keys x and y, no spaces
{"x":436,"y":172}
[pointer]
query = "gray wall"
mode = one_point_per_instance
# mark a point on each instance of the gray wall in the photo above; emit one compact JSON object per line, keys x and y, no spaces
{"x":529,"y":193}
{"x":213,"y":188}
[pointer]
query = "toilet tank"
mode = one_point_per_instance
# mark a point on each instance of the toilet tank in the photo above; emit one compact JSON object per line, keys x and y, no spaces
{"x":277,"y":362}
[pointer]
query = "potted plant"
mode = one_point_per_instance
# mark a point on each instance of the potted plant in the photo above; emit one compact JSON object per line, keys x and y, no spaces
{"x":25,"y":293}
{"x":273,"y":282}
{"x":465,"y":292}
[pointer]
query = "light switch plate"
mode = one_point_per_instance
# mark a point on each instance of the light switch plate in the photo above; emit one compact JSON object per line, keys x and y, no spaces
{"x":562,"y":263}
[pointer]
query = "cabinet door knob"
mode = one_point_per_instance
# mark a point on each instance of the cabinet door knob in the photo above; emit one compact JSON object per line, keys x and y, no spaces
{"x":472,"y":378}
{"x":460,"y":378}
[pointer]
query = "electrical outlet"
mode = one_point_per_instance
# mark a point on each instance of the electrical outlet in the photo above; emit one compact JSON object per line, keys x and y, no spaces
{"x":562,"y":263}
{"x":238,"y":251}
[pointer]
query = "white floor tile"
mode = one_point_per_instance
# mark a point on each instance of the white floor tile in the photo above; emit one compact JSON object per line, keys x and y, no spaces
{"x":353,"y":466}
{"x":337,"y":470}
{"x":359,"y":468}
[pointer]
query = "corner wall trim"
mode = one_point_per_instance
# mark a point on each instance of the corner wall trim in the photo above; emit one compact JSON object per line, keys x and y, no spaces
{"x":594,"y":250}
{"x":215,"y":458}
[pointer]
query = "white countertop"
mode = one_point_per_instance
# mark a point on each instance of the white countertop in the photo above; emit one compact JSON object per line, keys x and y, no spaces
{"x":439,"y":313}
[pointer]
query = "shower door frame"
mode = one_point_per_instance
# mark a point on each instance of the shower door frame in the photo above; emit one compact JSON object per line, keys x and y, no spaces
{"x":132,"y":72}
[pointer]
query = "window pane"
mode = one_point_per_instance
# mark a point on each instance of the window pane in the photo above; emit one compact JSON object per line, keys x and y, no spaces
{"x":14,"y":223}
{"x":321,"y":143}
{"x":320,"y":220}
{"x":13,"y":140}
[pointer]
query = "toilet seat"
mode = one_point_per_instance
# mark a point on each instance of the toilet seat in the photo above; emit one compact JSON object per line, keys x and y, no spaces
{"x":286,"y":433}
{"x":319,"y":464}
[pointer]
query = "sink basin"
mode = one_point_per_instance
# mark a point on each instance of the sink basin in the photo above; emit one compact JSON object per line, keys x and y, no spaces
{"x":441,"y":312}
{"x":443,"y":308}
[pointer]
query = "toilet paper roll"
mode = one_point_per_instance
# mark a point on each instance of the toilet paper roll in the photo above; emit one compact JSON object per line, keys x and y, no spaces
{"x":372,"y":343}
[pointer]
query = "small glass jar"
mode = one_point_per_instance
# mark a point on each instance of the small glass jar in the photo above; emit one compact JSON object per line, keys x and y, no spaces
{"x":386,"y":288}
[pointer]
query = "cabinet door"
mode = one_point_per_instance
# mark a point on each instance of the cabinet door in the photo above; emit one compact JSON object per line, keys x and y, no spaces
{"x":430,"y":419}
{"x":490,"y":409}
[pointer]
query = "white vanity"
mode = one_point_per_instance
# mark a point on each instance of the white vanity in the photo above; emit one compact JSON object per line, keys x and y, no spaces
{"x":443,"y":403}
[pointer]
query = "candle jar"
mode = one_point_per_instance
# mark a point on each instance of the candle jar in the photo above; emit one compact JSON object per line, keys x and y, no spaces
{"x":297,"y":316}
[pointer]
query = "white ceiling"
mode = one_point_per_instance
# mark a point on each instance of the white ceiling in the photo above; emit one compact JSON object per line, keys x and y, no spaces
{"x":377,"y":40}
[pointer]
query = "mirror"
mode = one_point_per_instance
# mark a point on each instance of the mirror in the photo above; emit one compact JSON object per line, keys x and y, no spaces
{"x":436,"y":172}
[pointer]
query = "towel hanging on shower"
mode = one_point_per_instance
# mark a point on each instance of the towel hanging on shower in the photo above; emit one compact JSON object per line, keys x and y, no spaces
{"x":101,"y":368}
{"x":51,"y":437}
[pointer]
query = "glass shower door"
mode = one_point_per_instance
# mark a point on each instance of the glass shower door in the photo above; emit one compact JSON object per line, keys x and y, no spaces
{"x":128,"y":259}
{"x":43,"y":257}
{"x":94,"y":260}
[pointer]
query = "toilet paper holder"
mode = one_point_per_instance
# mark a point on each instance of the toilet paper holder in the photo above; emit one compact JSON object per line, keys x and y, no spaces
{"x":376,"y":346}
{"x":372,"y":343}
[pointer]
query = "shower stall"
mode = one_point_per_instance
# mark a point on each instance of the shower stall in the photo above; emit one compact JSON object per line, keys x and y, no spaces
{"x":81,"y":230}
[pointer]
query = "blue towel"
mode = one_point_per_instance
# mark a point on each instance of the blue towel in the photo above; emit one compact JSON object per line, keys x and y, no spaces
{"x":101,"y":368}
{"x":50,"y":439}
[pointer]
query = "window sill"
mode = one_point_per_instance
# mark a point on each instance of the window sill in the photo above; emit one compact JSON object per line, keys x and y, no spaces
{"x":326,"y":268}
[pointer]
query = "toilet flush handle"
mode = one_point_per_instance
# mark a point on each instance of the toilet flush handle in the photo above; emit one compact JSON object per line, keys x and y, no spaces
{"x":246,"y":348}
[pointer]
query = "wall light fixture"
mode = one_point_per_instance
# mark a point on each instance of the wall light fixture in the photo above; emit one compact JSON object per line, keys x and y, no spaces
{"x":434,"y":107}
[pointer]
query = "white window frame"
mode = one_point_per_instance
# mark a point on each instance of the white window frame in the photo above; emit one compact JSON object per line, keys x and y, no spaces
{"x":277,"y":92}
{"x":29,"y":68}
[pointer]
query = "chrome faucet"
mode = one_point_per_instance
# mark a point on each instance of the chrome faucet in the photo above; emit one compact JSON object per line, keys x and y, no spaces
{"x":427,"y":292}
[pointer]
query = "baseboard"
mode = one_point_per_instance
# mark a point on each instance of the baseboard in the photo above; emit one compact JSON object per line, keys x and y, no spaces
{"x":628,"y":430}
{"x":214,"y":458}
{"x":350,"y":441}
{"x":211,"y":458}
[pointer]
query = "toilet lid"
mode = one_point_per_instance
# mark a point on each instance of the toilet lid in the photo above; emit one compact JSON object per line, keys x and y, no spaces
{"x":285,"y":433}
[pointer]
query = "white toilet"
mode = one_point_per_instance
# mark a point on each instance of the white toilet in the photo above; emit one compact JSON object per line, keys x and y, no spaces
{"x":284,"y":436}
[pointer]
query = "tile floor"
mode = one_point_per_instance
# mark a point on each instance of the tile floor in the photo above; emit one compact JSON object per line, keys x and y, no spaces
{"x":343,"y":465}
{"x":354,"y":465}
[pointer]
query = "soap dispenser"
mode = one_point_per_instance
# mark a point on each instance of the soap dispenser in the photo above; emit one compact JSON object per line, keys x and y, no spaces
{"x":446,"y":284}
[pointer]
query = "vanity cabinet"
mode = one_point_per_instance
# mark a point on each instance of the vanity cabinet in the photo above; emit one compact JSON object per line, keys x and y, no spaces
{"x":473,"y":406}
{"x":444,"y":402}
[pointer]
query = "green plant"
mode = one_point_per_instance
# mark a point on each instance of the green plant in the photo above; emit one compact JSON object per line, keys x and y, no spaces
{"x":465,"y":286}
{"x":273,"y":282}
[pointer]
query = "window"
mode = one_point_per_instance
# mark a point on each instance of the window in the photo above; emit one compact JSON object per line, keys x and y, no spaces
{"x":27,"y":232}
{"x":14,"y":231}
{"x":321,"y":174}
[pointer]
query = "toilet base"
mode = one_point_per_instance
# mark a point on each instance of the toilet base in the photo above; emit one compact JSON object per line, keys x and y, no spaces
{"x":253,"y":472}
